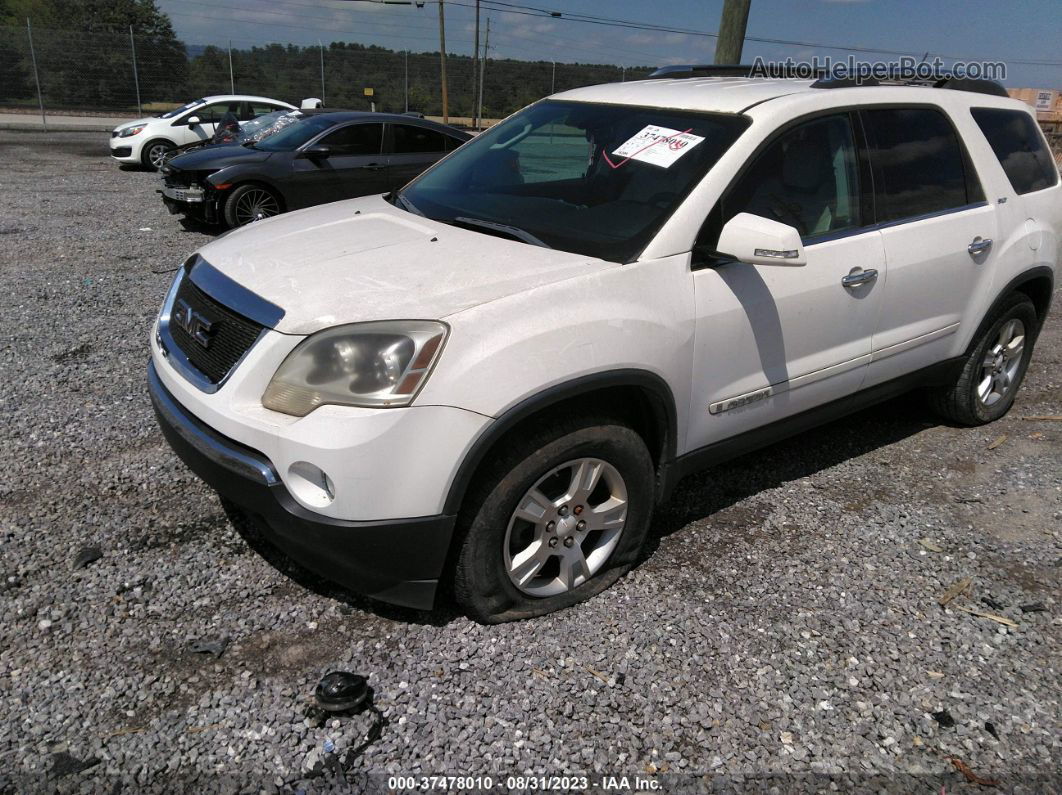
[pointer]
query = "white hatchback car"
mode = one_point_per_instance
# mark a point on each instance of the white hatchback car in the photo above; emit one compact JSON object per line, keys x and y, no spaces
{"x":490,"y":378}
{"x":146,"y":141}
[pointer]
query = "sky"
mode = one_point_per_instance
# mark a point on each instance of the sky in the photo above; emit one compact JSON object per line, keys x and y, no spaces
{"x":980,"y":30}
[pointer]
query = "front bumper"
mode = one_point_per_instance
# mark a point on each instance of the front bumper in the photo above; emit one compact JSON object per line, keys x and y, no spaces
{"x":398,"y":561}
{"x":125,"y":150}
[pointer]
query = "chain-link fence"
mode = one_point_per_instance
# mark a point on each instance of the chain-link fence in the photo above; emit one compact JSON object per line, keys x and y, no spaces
{"x":68,"y":71}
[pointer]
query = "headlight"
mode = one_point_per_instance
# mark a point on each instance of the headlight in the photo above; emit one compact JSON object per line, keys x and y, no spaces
{"x":365,"y":364}
{"x":130,"y":131}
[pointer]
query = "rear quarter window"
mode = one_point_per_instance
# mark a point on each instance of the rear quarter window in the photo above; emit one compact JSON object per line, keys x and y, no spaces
{"x":1019,"y":147}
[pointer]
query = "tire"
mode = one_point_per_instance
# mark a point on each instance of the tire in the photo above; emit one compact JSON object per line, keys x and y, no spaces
{"x":249,"y":203}
{"x":994,"y":368}
{"x":497,"y":533}
{"x":154,"y":152}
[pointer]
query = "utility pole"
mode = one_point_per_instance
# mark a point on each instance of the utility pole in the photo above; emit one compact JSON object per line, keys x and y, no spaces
{"x":406,"y":84}
{"x":442,"y":63}
{"x":482,"y":70}
{"x":320,"y":47}
{"x":475,"y":72}
{"x":232,"y":80}
{"x":36,"y":76}
{"x":732,"y":31}
{"x":553,"y":80}
{"x":136,"y":77}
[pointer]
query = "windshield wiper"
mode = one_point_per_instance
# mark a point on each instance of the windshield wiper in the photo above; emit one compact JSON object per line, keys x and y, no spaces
{"x":408,"y":205}
{"x":515,"y":232}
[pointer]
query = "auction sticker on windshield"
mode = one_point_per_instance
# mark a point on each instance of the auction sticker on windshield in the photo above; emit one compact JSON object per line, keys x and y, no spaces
{"x":659,"y":146}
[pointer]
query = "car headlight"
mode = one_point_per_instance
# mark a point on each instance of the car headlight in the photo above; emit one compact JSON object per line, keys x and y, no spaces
{"x":131,"y":131}
{"x":375,"y":364}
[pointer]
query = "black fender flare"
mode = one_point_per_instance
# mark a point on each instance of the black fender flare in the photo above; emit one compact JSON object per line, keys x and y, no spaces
{"x":1038,"y":272}
{"x":663,"y":402}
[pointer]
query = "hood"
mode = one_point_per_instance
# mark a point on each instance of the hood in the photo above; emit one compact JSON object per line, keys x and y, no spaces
{"x":363,"y":259}
{"x":213,"y":157}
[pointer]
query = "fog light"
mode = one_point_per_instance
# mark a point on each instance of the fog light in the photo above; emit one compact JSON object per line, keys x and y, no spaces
{"x":311,"y":484}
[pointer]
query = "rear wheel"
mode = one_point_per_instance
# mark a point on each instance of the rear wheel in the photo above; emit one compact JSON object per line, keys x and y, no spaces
{"x":250,"y":203}
{"x":563,"y":518}
{"x":995,"y":368}
{"x":154,"y":154}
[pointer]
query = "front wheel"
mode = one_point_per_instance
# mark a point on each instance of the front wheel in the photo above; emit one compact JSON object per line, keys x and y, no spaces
{"x":250,"y":203}
{"x":563,"y":518}
{"x":155,"y":154}
{"x":994,"y":370}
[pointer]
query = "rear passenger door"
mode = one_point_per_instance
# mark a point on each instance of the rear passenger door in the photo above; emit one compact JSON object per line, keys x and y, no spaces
{"x":938,"y":232}
{"x":412,"y":149}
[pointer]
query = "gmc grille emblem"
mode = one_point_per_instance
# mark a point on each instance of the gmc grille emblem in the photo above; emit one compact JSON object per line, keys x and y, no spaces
{"x":194,"y":323}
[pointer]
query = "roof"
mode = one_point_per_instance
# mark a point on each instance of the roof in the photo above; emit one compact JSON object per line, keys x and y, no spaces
{"x":738,"y":94}
{"x":247,"y":97}
{"x":397,"y":118}
{"x":719,"y":94}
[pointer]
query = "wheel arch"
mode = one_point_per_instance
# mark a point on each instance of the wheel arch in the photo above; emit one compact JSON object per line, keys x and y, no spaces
{"x":639,"y":396}
{"x":1036,"y":283}
{"x":158,"y":139}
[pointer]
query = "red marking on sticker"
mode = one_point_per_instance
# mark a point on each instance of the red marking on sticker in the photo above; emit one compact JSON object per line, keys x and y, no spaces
{"x":671,"y":141}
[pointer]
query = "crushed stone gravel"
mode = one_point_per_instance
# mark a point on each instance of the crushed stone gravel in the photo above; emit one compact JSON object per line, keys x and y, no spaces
{"x":782,"y":631}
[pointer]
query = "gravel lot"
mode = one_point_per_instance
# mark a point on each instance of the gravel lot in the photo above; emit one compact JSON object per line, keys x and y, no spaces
{"x":783,"y":631}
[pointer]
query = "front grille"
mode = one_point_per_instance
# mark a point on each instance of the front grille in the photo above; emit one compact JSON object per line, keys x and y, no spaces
{"x":230,"y":335}
{"x":175,"y":177}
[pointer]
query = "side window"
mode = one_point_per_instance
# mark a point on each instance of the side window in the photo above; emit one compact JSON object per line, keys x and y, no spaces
{"x":410,"y":139}
{"x":355,"y":139}
{"x":1020,"y":148}
{"x":920,"y":166}
{"x":256,"y":109}
{"x":452,"y":143}
{"x":807,"y":178}
{"x":212,"y":114}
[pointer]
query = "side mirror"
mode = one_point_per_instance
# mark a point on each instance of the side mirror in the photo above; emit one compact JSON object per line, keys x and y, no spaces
{"x":314,"y":152}
{"x":193,"y":121}
{"x":761,"y":241}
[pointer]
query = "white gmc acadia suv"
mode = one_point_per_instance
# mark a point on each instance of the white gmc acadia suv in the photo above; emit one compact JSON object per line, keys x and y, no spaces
{"x":488,"y":379}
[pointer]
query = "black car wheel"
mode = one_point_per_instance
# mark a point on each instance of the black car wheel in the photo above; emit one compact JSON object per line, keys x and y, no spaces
{"x":250,"y":203}
{"x":154,"y":154}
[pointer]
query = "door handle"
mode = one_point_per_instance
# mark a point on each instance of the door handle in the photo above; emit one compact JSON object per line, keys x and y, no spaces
{"x":859,"y":276}
{"x":371,"y":167}
{"x":979,"y":245}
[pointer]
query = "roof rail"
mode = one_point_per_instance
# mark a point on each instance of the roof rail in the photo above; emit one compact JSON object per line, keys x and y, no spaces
{"x":731,"y":70}
{"x":827,"y":80}
{"x":938,"y":80}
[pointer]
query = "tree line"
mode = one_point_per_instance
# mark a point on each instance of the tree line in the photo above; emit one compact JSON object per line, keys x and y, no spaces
{"x":85,"y":60}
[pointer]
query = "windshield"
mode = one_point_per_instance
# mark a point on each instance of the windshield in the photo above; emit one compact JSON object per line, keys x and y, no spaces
{"x":295,"y":135}
{"x":248,"y":128}
{"x":591,"y":179}
{"x":178,"y":111}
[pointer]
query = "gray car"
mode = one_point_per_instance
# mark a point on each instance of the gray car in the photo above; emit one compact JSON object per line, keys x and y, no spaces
{"x":319,"y":159}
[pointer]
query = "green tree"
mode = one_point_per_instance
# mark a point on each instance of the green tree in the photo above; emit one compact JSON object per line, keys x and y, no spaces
{"x":84,"y":55}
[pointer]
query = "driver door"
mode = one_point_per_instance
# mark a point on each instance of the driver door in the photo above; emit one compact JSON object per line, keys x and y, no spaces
{"x":775,"y":340}
{"x":354,"y":166}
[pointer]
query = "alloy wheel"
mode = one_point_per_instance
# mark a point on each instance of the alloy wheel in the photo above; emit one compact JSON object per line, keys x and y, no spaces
{"x":565,"y":527}
{"x":999,"y":369}
{"x":157,"y":155}
{"x":254,"y":205}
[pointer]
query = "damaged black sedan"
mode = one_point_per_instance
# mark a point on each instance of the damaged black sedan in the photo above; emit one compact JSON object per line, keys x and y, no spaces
{"x":319,"y":159}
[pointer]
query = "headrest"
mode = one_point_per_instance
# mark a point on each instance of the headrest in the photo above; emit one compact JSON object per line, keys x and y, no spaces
{"x":805,"y":165}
